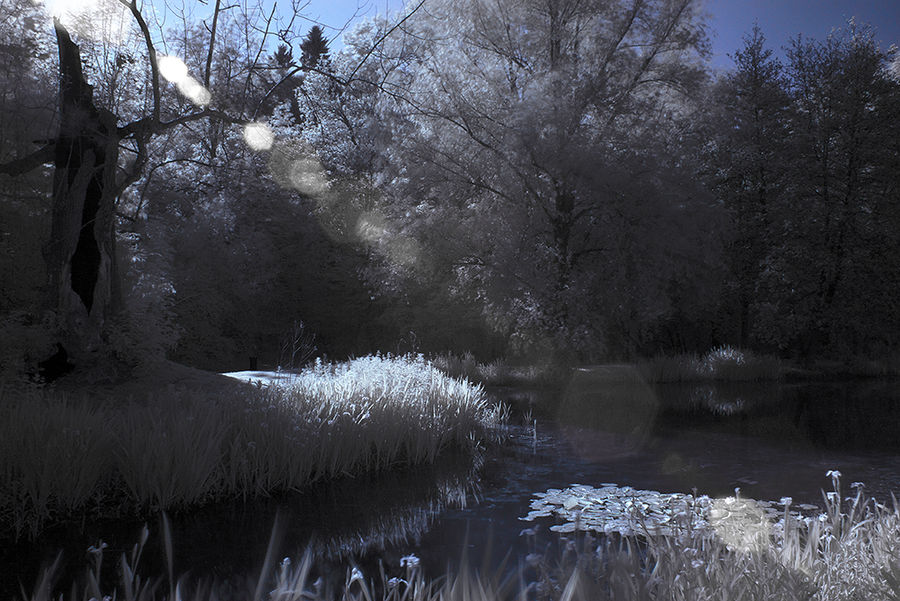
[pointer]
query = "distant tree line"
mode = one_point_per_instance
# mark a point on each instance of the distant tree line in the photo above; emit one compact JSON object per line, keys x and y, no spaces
{"x":563,"y":178}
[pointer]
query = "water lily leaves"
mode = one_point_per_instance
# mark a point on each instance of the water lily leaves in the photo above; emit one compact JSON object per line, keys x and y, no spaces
{"x":742,"y":523}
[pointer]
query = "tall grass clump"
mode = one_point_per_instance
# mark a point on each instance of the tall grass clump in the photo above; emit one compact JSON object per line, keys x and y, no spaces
{"x":64,"y":459}
{"x":378,"y":410}
{"x":722,"y":363}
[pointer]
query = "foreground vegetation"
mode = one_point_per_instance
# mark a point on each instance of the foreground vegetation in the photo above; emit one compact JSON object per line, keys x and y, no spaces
{"x":850,"y":551}
{"x":63,"y":458}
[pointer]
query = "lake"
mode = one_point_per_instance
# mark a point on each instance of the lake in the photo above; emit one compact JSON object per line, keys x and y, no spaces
{"x":769,"y":440}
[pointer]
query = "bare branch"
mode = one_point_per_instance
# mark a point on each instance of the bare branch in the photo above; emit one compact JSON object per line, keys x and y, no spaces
{"x":212,"y":43}
{"x":151,"y":53}
{"x":383,"y":38}
{"x":39,"y":157}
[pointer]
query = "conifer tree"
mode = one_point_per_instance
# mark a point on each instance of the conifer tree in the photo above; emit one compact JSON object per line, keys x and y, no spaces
{"x":314,"y":47}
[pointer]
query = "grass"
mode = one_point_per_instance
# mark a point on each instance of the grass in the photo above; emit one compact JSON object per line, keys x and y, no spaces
{"x":724,"y":363}
{"x":63,"y":459}
{"x":850,"y":551}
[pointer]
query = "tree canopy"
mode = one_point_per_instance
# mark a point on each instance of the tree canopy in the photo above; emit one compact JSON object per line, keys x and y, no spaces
{"x":566,"y":178}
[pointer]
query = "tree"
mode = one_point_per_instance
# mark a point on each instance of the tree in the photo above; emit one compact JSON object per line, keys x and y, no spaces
{"x":314,"y":48}
{"x":750,"y":158}
{"x":91,"y":174}
{"x":834,"y":238}
{"x":529,"y":151}
{"x":283,"y":57}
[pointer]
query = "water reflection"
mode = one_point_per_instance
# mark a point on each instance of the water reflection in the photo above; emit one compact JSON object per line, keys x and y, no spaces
{"x":349,"y":520}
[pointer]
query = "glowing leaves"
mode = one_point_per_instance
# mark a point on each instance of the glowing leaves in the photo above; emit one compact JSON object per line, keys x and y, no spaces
{"x":294,"y":165}
{"x":741,"y":523}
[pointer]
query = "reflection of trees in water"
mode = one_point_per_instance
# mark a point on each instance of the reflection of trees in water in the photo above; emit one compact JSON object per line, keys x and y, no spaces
{"x":853,"y":415}
{"x":720,"y":398}
{"x":832,"y":415}
{"x":606,"y":405}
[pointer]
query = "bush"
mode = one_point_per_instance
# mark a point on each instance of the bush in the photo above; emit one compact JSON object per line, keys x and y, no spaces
{"x":721,"y":363}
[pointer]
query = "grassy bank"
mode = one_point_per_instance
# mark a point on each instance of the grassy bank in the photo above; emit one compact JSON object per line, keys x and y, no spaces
{"x":64,"y":458}
{"x":850,"y":551}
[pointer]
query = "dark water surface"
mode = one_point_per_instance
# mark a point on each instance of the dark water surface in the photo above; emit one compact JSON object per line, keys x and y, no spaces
{"x":769,"y":440}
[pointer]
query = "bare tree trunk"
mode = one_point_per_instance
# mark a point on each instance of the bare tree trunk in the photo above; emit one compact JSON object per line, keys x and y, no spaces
{"x":80,"y":255}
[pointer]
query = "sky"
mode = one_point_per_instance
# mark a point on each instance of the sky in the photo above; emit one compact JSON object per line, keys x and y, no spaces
{"x":780,"y":20}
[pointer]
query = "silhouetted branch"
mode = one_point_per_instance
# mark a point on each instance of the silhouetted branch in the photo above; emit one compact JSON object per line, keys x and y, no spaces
{"x":151,"y":53}
{"x":212,"y":42}
{"x":39,"y":157}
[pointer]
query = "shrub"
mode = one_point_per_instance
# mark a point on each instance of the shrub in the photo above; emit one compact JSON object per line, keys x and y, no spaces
{"x":721,"y":363}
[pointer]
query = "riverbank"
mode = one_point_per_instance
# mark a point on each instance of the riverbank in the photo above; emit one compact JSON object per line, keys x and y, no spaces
{"x":145,"y":446}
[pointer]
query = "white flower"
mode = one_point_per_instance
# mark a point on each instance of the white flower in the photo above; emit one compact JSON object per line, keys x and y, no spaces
{"x":356,"y":574}
{"x":410,"y":561}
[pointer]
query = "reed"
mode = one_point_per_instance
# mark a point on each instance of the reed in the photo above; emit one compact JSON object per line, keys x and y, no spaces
{"x":64,"y":459}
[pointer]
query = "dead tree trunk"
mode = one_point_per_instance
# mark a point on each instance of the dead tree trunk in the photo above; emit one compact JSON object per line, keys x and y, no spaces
{"x":81,"y":252}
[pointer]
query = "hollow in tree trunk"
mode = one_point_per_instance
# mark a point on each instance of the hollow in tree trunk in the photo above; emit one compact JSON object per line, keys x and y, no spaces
{"x":81,"y":252}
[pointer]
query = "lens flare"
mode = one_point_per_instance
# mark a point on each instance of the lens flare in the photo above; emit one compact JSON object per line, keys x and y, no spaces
{"x":308,"y":177}
{"x":172,"y":68}
{"x":370,"y":227}
{"x":258,"y":136}
{"x":194,"y":91}
{"x":99,"y":20}
{"x":741,"y":523}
